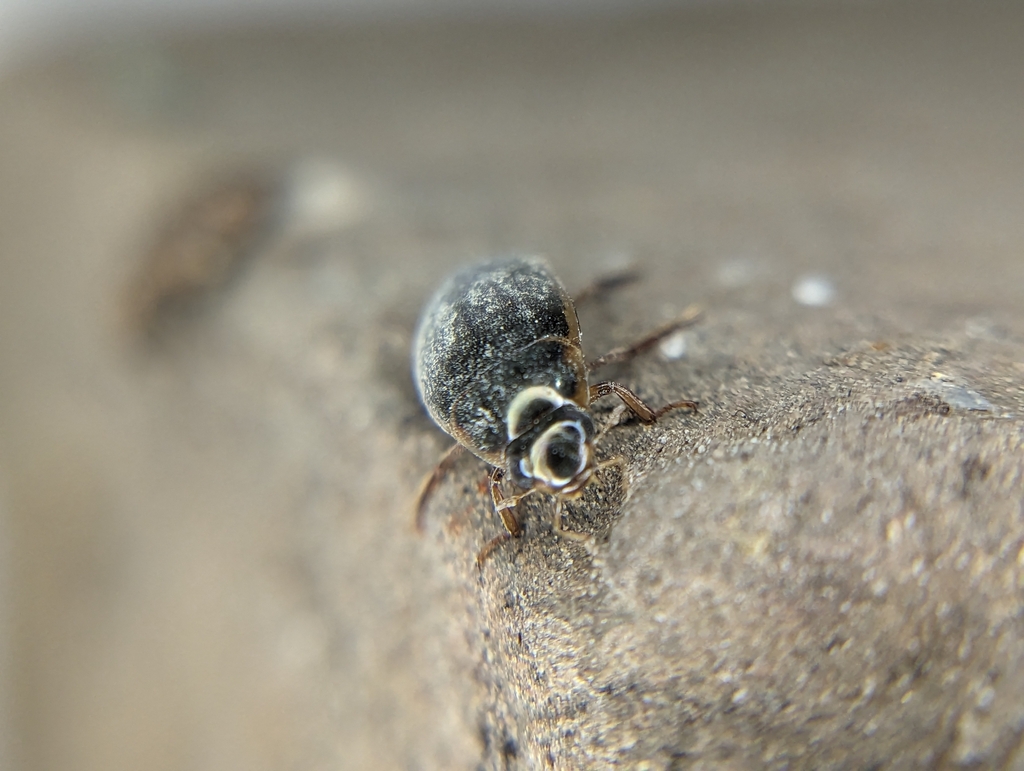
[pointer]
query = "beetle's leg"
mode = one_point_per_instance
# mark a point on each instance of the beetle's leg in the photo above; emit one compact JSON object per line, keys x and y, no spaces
{"x":505,"y":507}
{"x":690,"y":316}
{"x":433,"y":479}
{"x":613,"y":420}
{"x":635,"y":403}
{"x":607,"y":282}
{"x":558,"y":525}
{"x":489,"y":548}
{"x":615,"y":460}
{"x":620,"y":461}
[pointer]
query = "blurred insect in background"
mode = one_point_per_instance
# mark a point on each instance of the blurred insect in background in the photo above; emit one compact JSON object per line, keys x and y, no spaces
{"x":199,"y":249}
{"x":499,"y":365}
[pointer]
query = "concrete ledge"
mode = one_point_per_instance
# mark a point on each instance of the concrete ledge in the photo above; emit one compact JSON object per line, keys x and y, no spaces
{"x":214,"y":563}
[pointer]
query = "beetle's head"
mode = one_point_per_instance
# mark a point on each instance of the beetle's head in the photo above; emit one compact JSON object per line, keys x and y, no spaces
{"x":551,"y":443}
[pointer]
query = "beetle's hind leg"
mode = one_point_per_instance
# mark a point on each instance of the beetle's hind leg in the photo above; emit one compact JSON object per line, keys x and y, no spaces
{"x":433,"y":479}
{"x":688,"y":317}
{"x":635,"y":403}
{"x":606,"y":283}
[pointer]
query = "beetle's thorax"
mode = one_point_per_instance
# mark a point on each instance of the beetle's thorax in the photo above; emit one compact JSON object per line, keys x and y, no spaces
{"x":550,"y":442}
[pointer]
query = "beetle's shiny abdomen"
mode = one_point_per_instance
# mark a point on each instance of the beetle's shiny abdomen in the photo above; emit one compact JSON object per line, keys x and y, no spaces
{"x":491,"y":331}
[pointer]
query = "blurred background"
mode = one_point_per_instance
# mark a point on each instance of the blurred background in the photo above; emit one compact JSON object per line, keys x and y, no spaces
{"x":218,"y":221}
{"x":27,"y":26}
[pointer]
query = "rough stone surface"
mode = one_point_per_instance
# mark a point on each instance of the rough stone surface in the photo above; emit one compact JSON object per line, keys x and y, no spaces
{"x":212,"y":561}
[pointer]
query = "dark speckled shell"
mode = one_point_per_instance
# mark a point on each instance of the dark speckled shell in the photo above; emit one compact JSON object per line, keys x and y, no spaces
{"x":492,"y":330}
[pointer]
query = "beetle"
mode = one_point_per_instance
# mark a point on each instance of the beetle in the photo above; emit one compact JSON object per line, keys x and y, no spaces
{"x":498,"y":363}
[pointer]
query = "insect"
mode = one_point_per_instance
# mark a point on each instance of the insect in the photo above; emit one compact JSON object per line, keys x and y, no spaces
{"x":499,"y":365}
{"x":200,"y":249}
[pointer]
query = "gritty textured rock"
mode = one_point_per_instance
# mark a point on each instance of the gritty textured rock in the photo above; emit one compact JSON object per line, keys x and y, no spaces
{"x":213,"y":561}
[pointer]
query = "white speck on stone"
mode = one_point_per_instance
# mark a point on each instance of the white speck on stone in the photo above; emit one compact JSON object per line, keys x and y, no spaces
{"x":740,"y":696}
{"x":955,"y":395}
{"x":814,"y":291}
{"x":674,"y":346}
{"x":321,"y":196}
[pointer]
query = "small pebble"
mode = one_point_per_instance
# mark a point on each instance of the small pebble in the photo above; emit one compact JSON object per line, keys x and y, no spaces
{"x":955,"y":395}
{"x":674,"y":346}
{"x":814,"y":291}
{"x":322,"y":196}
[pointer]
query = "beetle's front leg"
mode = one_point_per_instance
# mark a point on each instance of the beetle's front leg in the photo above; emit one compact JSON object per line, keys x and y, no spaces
{"x":635,"y":403}
{"x":558,"y":524}
{"x":505,"y":507}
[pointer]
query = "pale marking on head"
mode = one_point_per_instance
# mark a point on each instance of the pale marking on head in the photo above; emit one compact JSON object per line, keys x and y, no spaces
{"x":526,"y":397}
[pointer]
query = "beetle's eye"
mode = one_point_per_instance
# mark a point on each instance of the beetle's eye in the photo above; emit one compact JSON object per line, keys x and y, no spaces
{"x":563,"y":456}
